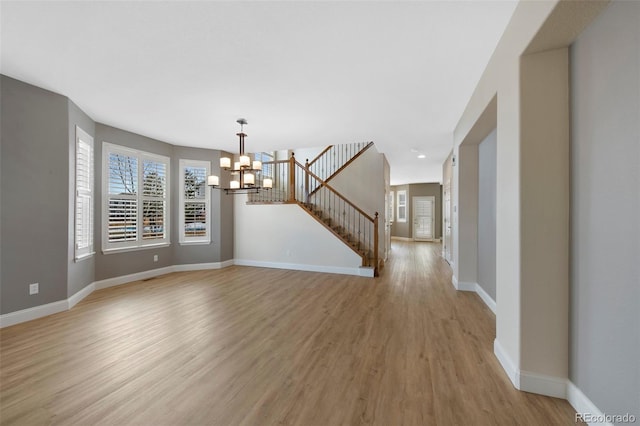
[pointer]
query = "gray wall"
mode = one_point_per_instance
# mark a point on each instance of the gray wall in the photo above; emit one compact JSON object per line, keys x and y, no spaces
{"x":221,"y":220}
{"x":125,"y":263}
{"x":404,"y":229}
{"x":38,"y":155}
{"x":487,"y":214}
{"x":605,"y":179}
{"x":35,"y":191}
{"x":80,"y":273}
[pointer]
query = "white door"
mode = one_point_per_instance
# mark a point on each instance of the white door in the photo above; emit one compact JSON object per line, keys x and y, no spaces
{"x":424,"y":218}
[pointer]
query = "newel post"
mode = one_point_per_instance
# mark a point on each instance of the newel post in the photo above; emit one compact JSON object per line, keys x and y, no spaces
{"x":292,"y":178}
{"x":375,"y":245}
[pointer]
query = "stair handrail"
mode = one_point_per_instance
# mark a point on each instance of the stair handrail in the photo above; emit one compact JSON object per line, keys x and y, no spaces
{"x":342,"y":167}
{"x":332,"y":189}
{"x":323,"y":183}
{"x":320,"y":155}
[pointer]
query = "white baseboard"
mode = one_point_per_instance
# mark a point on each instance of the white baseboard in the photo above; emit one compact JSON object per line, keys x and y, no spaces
{"x":466,"y":286}
{"x":475,"y":287}
{"x":583,"y":405}
{"x":507,"y":363}
{"x":358,"y":271}
{"x":24,"y":315}
{"x":124,"y":279}
{"x":73,"y":300}
{"x":550,"y":386}
{"x":527,"y":381}
{"x":433,"y":240}
{"x":202,"y":266}
{"x":543,"y":384}
{"x":486,"y":298}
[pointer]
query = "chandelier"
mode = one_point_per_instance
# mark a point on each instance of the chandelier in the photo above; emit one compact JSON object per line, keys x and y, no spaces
{"x":245,"y":170}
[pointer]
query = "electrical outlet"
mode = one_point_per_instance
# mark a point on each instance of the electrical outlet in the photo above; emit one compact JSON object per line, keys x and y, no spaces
{"x":34,"y":289}
{"x":155,"y":257}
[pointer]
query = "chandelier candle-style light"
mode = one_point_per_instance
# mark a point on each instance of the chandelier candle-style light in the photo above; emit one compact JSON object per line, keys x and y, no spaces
{"x":245,"y":170}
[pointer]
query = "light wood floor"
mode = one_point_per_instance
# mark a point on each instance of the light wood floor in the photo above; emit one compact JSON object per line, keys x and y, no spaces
{"x":254,"y":346}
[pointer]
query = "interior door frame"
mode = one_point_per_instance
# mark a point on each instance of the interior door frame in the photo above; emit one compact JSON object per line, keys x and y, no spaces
{"x":446,"y":221}
{"x":433,"y":216}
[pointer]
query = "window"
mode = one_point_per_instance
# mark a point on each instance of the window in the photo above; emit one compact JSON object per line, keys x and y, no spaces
{"x":266,"y":157}
{"x":392,"y":196}
{"x":195,"y":207}
{"x":135,"y":198}
{"x":402,"y":206}
{"x":84,"y":195}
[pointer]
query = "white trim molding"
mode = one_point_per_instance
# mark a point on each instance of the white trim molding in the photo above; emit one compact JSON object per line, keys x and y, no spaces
{"x":466,"y":286}
{"x":124,"y":279}
{"x":24,"y":315}
{"x":583,"y":405}
{"x":486,"y":298}
{"x":361,"y":271}
{"x":507,"y":363}
{"x":528,"y":381}
{"x":543,"y":384}
{"x":79,"y":295}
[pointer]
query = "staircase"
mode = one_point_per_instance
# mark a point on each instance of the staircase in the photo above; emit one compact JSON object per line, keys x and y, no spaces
{"x":353,"y":239}
{"x":295,"y":183}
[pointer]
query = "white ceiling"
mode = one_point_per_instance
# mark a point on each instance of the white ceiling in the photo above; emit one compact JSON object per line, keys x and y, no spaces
{"x":303,"y":73}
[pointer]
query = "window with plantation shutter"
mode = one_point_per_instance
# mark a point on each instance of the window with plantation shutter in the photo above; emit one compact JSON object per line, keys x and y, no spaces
{"x":135,"y":198}
{"x":402,"y":206}
{"x":195,"y":206}
{"x":84,"y":195}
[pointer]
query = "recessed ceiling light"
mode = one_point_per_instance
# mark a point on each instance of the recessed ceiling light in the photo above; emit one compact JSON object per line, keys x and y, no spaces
{"x":422,"y":156}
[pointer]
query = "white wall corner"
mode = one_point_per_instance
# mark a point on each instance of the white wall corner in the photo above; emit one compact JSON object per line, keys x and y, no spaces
{"x":486,"y":298}
{"x":507,"y":363}
{"x":586,"y":409}
{"x":454,"y":281}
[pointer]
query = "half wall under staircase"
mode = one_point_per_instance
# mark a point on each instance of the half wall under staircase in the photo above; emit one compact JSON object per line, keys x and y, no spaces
{"x":294,"y":183}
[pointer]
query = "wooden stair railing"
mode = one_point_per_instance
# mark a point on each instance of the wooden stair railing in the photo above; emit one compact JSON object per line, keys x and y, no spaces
{"x":292,"y":183}
{"x":347,"y":221}
{"x":335,"y":158}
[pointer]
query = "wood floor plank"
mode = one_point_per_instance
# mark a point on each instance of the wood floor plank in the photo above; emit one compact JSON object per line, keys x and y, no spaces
{"x":255,"y":346}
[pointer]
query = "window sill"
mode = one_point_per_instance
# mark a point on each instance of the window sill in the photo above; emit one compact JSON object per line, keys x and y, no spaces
{"x":84,"y":256}
{"x":195,"y":243}
{"x":136,"y":248}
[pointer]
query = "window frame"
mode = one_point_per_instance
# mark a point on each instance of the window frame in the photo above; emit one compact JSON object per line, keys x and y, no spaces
{"x":139,"y":243}
{"x":183,"y":238}
{"x":392,"y":206}
{"x":82,"y":251}
{"x":402,"y":218}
